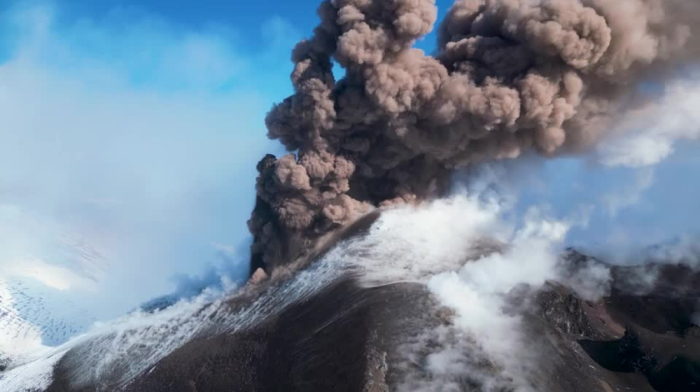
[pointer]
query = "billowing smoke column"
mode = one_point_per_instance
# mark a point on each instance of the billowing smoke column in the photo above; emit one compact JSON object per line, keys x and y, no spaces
{"x":509,"y":76}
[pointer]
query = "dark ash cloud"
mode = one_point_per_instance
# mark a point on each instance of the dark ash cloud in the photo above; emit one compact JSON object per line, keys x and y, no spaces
{"x":509,"y":76}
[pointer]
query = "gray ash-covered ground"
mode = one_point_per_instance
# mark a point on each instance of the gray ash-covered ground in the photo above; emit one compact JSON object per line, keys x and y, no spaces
{"x":342,"y":335}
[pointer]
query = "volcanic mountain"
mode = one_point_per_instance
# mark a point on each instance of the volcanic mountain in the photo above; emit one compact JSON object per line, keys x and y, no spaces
{"x":324,"y":327}
{"x":369,"y":273}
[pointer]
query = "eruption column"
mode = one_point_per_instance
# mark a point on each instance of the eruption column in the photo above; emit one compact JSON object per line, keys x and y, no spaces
{"x":509,"y":76}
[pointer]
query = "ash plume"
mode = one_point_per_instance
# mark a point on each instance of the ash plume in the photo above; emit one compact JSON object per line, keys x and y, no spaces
{"x":509,"y":76}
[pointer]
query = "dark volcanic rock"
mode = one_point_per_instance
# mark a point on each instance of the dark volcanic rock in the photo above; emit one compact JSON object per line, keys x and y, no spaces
{"x":346,"y":337}
{"x":564,"y":311}
{"x":333,"y":341}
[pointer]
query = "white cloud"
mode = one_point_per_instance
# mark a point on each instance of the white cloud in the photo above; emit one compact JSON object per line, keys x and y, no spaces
{"x":135,"y":135}
{"x":471,"y":256}
{"x":477,"y":292}
{"x":128,"y":45}
{"x":29,"y":241}
{"x":651,"y":136}
{"x":630,"y":196}
{"x":53,"y":276}
{"x":682,"y":250}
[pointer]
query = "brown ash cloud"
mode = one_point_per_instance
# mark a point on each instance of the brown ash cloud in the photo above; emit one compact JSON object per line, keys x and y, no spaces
{"x":508,"y":77}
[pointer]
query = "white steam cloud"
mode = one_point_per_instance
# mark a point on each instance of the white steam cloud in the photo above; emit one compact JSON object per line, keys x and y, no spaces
{"x":478,"y":293}
{"x":684,"y":250}
{"x":471,"y":255}
{"x":631,"y":195}
{"x":652,"y":135}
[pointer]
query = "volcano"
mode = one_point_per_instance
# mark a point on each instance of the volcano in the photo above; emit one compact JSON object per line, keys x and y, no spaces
{"x":371,"y":272}
{"x":323,"y":328}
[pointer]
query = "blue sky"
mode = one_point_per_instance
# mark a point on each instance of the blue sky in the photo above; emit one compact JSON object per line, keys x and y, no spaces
{"x":244,"y":19}
{"x":130,"y":131}
{"x":135,"y":135}
{"x":134,"y":127}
